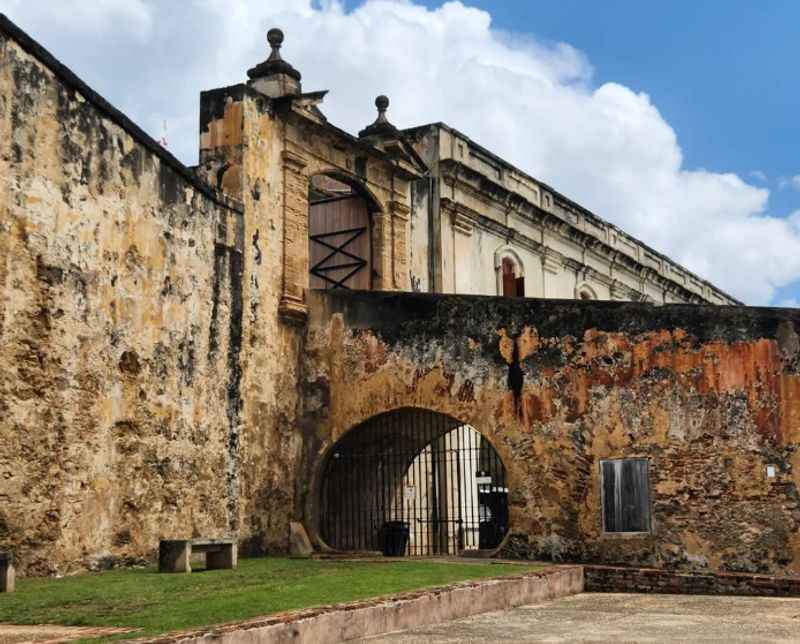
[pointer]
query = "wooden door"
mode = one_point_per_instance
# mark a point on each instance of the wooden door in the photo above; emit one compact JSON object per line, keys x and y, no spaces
{"x":339,"y":243}
{"x":513,"y":286}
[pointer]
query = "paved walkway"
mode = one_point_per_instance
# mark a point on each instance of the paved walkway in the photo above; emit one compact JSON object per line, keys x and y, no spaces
{"x":596,"y":617}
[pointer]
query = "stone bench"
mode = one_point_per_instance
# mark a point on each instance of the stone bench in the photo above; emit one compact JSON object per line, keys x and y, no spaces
{"x":6,"y":572}
{"x":174,"y":555}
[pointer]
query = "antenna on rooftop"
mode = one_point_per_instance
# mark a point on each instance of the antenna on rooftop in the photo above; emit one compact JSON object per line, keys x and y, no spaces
{"x":163,"y":140}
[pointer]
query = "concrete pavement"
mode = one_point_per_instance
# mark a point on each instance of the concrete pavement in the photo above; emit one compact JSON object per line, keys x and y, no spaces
{"x":600,"y":617}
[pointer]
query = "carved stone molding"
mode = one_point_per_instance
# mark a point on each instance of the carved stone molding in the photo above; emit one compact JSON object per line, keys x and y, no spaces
{"x":551,"y":261}
{"x":462,"y":223}
{"x":292,"y":160}
{"x":400,"y":210}
{"x":292,"y":310}
{"x":620,"y":292}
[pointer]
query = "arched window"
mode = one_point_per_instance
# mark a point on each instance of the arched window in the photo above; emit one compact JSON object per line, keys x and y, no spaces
{"x":510,"y":273}
{"x":585,"y":292}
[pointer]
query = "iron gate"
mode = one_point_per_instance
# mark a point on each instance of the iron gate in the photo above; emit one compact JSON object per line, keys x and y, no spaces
{"x":418,"y":481}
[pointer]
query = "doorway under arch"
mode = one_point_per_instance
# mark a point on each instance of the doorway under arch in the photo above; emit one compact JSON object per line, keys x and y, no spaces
{"x":439,"y":480}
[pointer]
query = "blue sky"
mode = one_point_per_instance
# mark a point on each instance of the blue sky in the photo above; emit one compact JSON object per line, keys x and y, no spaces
{"x":674,"y":120}
{"x":723,"y":74}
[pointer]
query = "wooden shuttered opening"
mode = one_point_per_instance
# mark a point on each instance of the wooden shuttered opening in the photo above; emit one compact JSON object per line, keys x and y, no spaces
{"x":339,"y":243}
{"x":513,"y":286}
{"x":626,"y":495}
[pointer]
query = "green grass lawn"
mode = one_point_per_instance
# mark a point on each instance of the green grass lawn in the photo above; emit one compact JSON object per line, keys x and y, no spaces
{"x":157,"y":603}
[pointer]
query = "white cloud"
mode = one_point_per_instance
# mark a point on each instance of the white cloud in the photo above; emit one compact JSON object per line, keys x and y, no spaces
{"x":533,"y":103}
{"x":758,"y":175}
{"x":789,"y":182}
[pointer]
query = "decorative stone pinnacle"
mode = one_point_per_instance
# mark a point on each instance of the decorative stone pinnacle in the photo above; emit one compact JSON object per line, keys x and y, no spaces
{"x":381,"y":124}
{"x":274,"y":64}
{"x":275,"y":40}
{"x":382,"y":103}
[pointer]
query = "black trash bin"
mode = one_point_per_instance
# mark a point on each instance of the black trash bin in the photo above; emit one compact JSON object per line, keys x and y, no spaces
{"x":488,"y":535}
{"x":395,"y":538}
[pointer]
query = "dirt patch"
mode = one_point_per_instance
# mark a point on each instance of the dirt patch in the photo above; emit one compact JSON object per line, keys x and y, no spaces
{"x":52,"y":633}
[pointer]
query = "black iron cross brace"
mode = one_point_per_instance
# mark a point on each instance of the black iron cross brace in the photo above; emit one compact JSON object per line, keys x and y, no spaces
{"x":319,"y":269}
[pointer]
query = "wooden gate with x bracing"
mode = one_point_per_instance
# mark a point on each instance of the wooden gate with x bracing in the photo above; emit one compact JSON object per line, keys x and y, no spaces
{"x":339,"y":243}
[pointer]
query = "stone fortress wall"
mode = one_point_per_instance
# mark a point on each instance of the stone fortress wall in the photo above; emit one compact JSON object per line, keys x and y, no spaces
{"x":166,"y":372}
{"x":709,"y":396}
{"x":120,"y":328}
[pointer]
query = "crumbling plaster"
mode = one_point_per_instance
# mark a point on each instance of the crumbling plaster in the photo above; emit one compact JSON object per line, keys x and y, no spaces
{"x":119,"y":296}
{"x":708,"y":395}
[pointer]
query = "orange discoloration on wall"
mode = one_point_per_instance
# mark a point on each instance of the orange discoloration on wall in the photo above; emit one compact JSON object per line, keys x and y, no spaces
{"x":506,"y":346}
{"x":225,"y":131}
{"x":709,"y":417}
{"x":789,"y":409}
{"x":614,"y":360}
{"x":527,"y":342}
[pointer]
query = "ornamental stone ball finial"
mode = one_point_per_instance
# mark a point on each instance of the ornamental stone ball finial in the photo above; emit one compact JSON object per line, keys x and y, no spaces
{"x":274,"y":65}
{"x":382,"y":103}
{"x":381,"y":125}
{"x":275,"y":40}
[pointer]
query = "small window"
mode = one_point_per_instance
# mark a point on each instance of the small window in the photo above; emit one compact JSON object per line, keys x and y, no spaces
{"x":626,"y":495}
{"x":513,"y":286}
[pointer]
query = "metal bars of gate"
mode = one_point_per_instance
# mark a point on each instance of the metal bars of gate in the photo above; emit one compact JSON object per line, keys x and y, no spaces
{"x":418,"y":471}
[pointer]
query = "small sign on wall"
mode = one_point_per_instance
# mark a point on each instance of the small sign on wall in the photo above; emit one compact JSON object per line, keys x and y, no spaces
{"x":483,"y":480}
{"x":770,"y":471}
{"x":409,"y":493}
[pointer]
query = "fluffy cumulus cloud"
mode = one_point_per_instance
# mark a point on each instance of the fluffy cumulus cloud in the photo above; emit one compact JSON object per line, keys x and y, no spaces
{"x":534,"y":103}
{"x":790,"y":182}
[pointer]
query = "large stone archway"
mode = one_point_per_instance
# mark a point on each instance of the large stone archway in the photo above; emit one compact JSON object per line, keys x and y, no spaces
{"x":438,"y":478}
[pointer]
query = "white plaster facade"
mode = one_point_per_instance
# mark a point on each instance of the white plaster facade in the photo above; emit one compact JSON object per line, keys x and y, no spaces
{"x":474,"y":209}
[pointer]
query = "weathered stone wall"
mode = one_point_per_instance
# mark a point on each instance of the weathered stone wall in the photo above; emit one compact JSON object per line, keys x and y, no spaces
{"x":120,"y":328}
{"x":612,"y":579}
{"x":241,"y":143}
{"x":708,"y":394}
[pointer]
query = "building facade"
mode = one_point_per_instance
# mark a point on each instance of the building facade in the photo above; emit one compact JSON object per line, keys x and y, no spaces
{"x":210,"y":351}
{"x":491,"y":229}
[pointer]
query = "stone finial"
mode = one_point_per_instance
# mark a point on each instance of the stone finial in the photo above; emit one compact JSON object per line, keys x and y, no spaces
{"x":275,"y":40}
{"x":382,"y":103}
{"x":274,"y":64}
{"x":381,"y":124}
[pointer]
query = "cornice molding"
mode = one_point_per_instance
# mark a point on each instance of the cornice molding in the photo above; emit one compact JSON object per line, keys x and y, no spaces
{"x":293,"y":160}
{"x":460,"y":175}
{"x":400,"y":210}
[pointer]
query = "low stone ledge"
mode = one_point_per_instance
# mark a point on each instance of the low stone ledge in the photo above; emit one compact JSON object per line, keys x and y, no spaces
{"x":355,"y":620}
{"x":621,"y":579}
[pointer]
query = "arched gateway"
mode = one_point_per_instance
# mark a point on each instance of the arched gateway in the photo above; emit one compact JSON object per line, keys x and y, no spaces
{"x":422,"y":480}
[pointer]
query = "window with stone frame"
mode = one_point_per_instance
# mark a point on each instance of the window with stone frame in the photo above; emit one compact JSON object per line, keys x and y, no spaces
{"x":625,"y":495}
